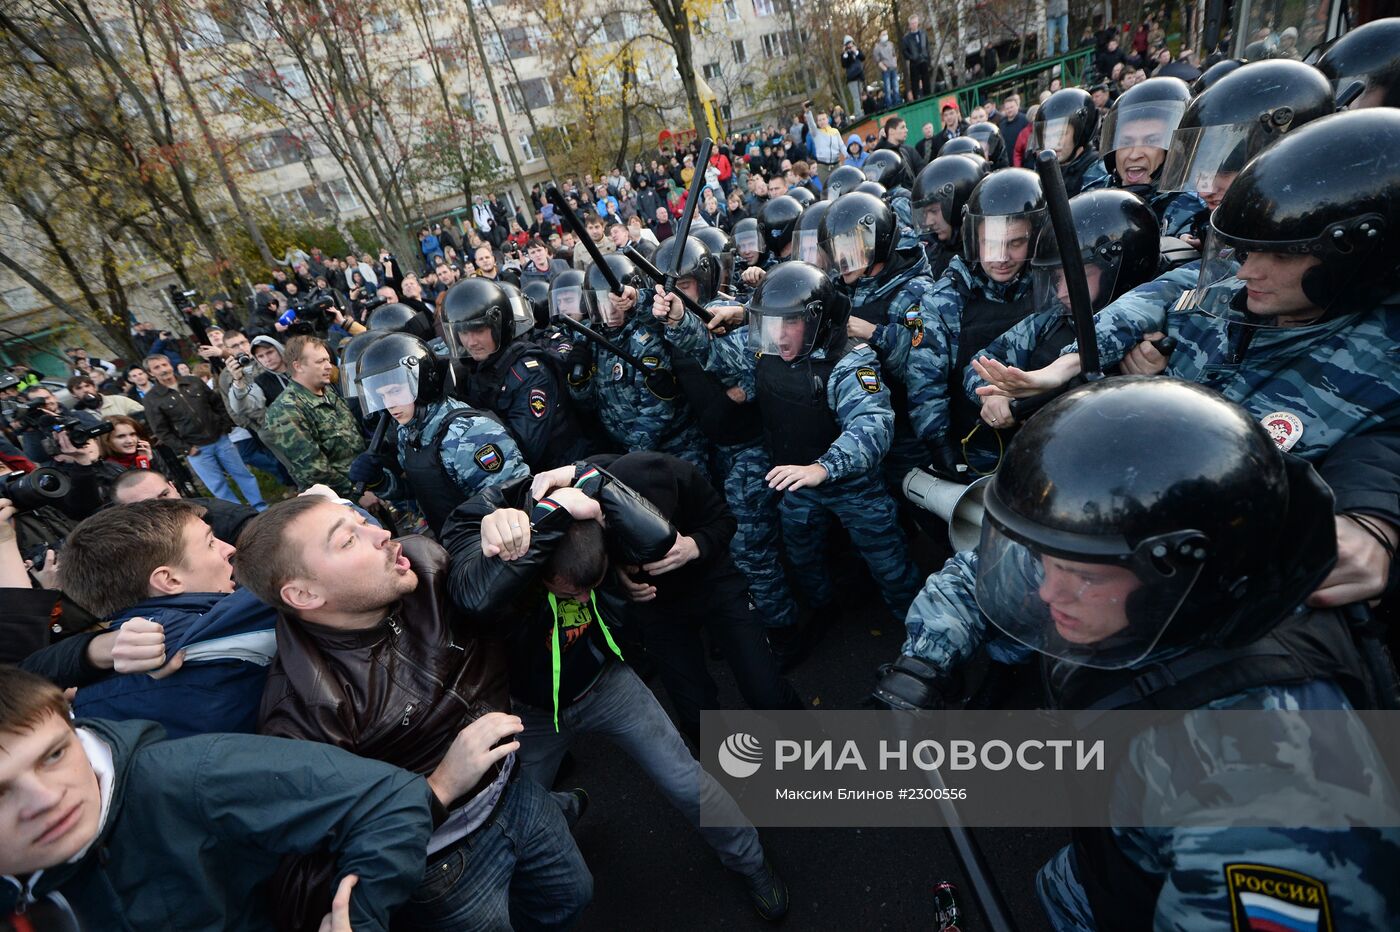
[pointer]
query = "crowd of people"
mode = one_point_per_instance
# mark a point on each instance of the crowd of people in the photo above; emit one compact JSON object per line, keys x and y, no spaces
{"x":495,"y":485}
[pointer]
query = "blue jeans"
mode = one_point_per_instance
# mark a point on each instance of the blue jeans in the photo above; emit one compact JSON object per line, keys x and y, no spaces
{"x":254,"y":453}
{"x":1054,"y":24}
{"x":621,"y":708}
{"x":891,"y":81}
{"x":520,"y":870}
{"x":215,"y":459}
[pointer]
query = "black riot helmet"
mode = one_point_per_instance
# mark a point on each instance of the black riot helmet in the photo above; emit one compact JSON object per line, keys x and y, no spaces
{"x":803,"y":196}
{"x":748,"y":239}
{"x":871,"y":187}
{"x":1119,"y":244}
{"x":1066,"y":122}
{"x":481,"y":303}
{"x":1209,"y":543}
{"x":940,"y":192}
{"x":843,"y":180}
{"x":777,"y":220}
{"x":596,"y":289}
{"x":989,"y":137}
{"x":1003,"y":219}
{"x":795,"y":310}
{"x":721,"y":247}
{"x":1347,"y":216}
{"x":1236,"y":117}
{"x":1369,"y":54}
{"x":1214,"y":73}
{"x":566,"y":295}
{"x":1142,"y":119}
{"x":400,"y":318}
{"x":399,"y":369}
{"x":697,"y":262}
{"x":536,"y":292}
{"x":963,"y":145}
{"x":806,"y":237}
{"x":350,"y":352}
{"x":889,"y":168}
{"x":857,"y":232}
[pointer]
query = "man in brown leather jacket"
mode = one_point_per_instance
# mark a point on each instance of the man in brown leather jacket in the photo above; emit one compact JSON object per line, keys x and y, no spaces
{"x":373,"y":658}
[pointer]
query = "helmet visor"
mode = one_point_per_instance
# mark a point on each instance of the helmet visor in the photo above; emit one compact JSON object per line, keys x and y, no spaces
{"x":522,"y":315}
{"x":1106,"y":614}
{"x":1149,"y":124}
{"x":566,"y":302}
{"x":931,"y":218}
{"x":747,"y":242}
{"x":1048,"y":286}
{"x":1003,"y":239}
{"x":1057,"y":134}
{"x":601,"y":306}
{"x":852,"y":251}
{"x":455,"y":333}
{"x":783,"y":332}
{"x":392,"y":389}
{"x":348,"y":387}
{"x":807,"y":247}
{"x":1205,"y":160}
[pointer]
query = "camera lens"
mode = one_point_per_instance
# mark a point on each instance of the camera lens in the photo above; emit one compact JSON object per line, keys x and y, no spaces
{"x":49,"y":483}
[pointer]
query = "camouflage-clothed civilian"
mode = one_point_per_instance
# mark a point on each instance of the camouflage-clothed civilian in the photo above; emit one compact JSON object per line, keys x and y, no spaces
{"x":316,"y":436}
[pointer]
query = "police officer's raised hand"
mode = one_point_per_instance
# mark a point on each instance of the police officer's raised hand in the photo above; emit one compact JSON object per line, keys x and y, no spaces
{"x":338,"y":919}
{"x":1145,"y":359}
{"x":1007,"y":380}
{"x":792,"y":478}
{"x":752,"y":275}
{"x":667,"y":308}
{"x":505,"y":533}
{"x":725,"y":318}
{"x":475,"y":749}
{"x":682,"y":552}
{"x":1363,"y":563}
{"x":624,"y":302}
{"x":366,"y":468}
{"x":996,"y":411}
{"x":860,"y":329}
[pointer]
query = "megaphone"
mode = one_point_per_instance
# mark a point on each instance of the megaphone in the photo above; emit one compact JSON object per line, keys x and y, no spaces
{"x":960,"y":505}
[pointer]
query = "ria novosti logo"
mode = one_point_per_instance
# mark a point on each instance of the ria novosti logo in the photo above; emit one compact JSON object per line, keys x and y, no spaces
{"x":741,"y":755}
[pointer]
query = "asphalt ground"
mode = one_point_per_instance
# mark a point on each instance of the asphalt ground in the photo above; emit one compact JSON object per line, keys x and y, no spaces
{"x":652,"y":872}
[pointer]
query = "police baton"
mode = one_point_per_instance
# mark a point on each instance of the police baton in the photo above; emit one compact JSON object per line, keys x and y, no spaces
{"x":697,"y":184}
{"x":1071,"y":262}
{"x":375,"y":442}
{"x":556,"y":197}
{"x":653,"y":273}
{"x":660,"y":382}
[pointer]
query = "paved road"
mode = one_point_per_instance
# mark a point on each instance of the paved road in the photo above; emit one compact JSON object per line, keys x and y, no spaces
{"x":652,"y":872}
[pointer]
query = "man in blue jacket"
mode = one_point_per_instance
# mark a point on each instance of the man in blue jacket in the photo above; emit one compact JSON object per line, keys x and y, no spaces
{"x":156,"y":561}
{"x":106,"y":825}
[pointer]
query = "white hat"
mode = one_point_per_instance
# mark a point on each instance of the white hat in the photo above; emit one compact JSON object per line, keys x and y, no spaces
{"x":848,"y":41}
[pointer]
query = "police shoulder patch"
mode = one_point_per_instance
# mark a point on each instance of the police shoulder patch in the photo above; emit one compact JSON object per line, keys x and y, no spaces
{"x":1265,"y":897}
{"x":489,"y":458}
{"x":538,"y":402}
{"x":913,"y":319}
{"x":651,"y":362}
{"x":532,"y":364}
{"x":869,"y":379}
{"x":1285,"y":428}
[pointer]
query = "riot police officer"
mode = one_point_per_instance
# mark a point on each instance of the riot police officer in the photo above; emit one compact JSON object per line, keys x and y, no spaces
{"x":889,"y":168}
{"x":843,"y":180}
{"x":448,"y":451}
{"x":637,"y":409}
{"x":1066,"y":123}
{"x":993,"y":146}
{"x":485,"y":323}
{"x":400,"y":318}
{"x":806,"y":236}
{"x":938,"y":197}
{"x":827,"y":424}
{"x":1179,"y":589}
{"x":721,"y":246}
{"x":748,"y":253}
{"x":1137,"y":132}
{"x":1119,"y":248}
{"x":984,"y":293}
{"x":888,"y":286}
{"x":1369,"y":54}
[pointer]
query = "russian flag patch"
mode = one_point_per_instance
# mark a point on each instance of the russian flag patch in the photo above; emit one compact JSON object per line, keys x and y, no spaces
{"x":1273,"y":899}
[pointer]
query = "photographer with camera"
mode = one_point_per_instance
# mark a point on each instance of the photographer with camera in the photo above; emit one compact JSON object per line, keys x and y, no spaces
{"x":254,"y":375}
{"x":41,"y":415}
{"x":189,"y":418}
{"x":88,"y":397}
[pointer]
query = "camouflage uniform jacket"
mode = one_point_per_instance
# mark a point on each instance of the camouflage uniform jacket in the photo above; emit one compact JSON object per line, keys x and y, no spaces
{"x":854,"y":392}
{"x":315,"y":436}
{"x":476,"y":452}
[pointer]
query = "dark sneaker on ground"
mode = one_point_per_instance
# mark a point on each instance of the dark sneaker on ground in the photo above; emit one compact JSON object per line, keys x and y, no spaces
{"x":768,"y":892}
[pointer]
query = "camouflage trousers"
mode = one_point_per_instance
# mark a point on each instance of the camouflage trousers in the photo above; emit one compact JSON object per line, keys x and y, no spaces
{"x":866,"y":509}
{"x":755,"y":546}
{"x":1062,"y":896}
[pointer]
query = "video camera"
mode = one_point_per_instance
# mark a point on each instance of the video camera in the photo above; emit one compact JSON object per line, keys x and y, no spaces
{"x":35,"y":417}
{"x":309,"y":316}
{"x":29,"y":491}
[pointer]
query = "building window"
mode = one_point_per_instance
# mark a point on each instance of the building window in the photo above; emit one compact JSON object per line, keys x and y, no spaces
{"x":762,"y":7}
{"x":741,"y":54}
{"x":711,"y":71}
{"x":747,"y":91}
{"x":529,"y":147}
{"x":273,"y":151}
{"x":731,"y":10}
{"x":380,"y":23}
{"x":727,"y":113}
{"x":339,"y":190}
